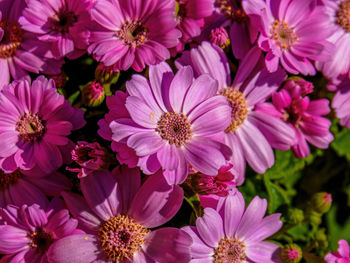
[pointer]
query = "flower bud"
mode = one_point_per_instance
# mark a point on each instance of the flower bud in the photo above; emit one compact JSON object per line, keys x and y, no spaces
{"x":321,"y":202}
{"x":321,"y":239}
{"x":298,"y":86}
{"x":60,"y":79}
{"x":291,"y":253}
{"x":90,"y":157}
{"x":106,"y":74}
{"x":295,"y":216}
{"x":93,"y":94}
{"x":219,"y":37}
{"x":314,"y":218}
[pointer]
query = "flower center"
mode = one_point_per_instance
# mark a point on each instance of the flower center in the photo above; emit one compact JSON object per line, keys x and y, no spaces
{"x":82,"y":154}
{"x":133,"y":33}
{"x":343,"y":15}
{"x":283,"y":35}
{"x":41,"y":240}
{"x":175,"y":128}
{"x":232,"y":9}
{"x":239,"y":107}
{"x":31,"y":127}
{"x":121,"y":237}
{"x":9,"y":179}
{"x":230,"y":251}
{"x":62,"y":21}
{"x":11,"y":39}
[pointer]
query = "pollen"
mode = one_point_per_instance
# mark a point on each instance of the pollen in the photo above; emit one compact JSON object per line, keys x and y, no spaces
{"x":230,"y":250}
{"x":11,"y":39}
{"x":31,"y":127}
{"x":283,"y":35}
{"x":343,"y":15}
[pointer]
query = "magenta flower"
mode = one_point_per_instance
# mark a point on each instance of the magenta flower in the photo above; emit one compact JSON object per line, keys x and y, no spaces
{"x":339,"y":24}
{"x":35,"y":122}
{"x":90,"y":157}
{"x":293,"y":33}
{"x":190,"y":18}
{"x":133,"y":34}
{"x":29,"y":231}
{"x":60,"y":23}
{"x":30,"y":187}
{"x":341,"y":256}
{"x":117,"y":109}
{"x":341,"y":100}
{"x":231,"y":233}
{"x":172,"y":121}
{"x":21,"y":51}
{"x":250,"y":134}
{"x":305,"y":116}
{"x":117,"y":214}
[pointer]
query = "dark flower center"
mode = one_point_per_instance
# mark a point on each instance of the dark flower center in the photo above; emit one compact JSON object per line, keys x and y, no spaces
{"x":232,"y":9}
{"x":283,"y":35}
{"x":31,"y":127}
{"x":133,"y":33}
{"x":239,"y":107}
{"x":230,"y":250}
{"x":41,"y":240}
{"x":343,"y":15}
{"x":121,"y":237}
{"x":174,"y":127}
{"x":9,"y":179}
{"x":11,"y":39}
{"x":62,"y":21}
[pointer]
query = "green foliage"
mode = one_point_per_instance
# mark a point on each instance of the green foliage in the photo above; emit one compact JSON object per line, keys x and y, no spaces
{"x":341,"y":143}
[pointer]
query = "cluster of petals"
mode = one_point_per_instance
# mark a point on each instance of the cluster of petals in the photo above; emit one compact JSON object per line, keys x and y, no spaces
{"x":173,"y":122}
{"x":117,"y":213}
{"x":228,"y":232}
{"x":341,"y":256}
{"x":35,"y":122}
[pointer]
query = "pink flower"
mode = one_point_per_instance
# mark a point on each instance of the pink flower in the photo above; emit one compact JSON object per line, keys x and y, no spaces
{"x":29,"y":187}
{"x":117,"y":214}
{"x":60,"y":23}
{"x":116,"y":106}
{"x":341,"y":100}
{"x":21,"y":51}
{"x":231,"y":233}
{"x":250,"y":133}
{"x":31,"y":230}
{"x":339,"y":23}
{"x":294,"y":33}
{"x":90,"y":157}
{"x":172,"y":121}
{"x":296,"y":109}
{"x":35,"y":122}
{"x":343,"y":254}
{"x":219,"y":37}
{"x":133,"y":33}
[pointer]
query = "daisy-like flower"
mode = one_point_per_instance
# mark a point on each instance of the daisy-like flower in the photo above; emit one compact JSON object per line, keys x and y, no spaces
{"x":250,"y":133}
{"x":341,"y":100}
{"x":117,"y":214}
{"x":133,"y":33}
{"x":304,"y":115}
{"x":341,"y":256}
{"x":294,"y":33}
{"x":231,"y":233}
{"x":60,"y":23}
{"x":172,"y":121}
{"x":35,"y":121}
{"x":339,"y":24}
{"x":28,"y":187}
{"x":20,"y":51}
{"x":27,"y":232}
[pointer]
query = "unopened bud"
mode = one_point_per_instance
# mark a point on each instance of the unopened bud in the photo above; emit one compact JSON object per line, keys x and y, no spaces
{"x":291,"y":253}
{"x":219,"y":37}
{"x":93,"y":94}
{"x":298,"y":86}
{"x":321,"y":202}
{"x":321,"y":239}
{"x":106,"y":74}
{"x":295,"y":216}
{"x":60,"y":79}
{"x":314,"y":218}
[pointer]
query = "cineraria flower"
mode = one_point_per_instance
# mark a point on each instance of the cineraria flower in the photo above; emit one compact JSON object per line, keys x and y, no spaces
{"x":29,"y":231}
{"x":117,"y":214}
{"x":339,"y":23}
{"x":61,"y":23}
{"x":190,"y":16}
{"x":341,"y":256}
{"x":35,"y":121}
{"x":341,"y":100}
{"x":25,"y":187}
{"x":172,"y":121}
{"x":250,"y":133}
{"x":90,"y":157}
{"x":133,"y":33}
{"x":292,"y":106}
{"x":116,"y":106}
{"x":21,"y":51}
{"x":231,"y":233}
{"x":294,"y":33}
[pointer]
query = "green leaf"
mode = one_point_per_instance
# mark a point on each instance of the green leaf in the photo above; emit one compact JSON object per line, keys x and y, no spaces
{"x":277,"y":195}
{"x":341,"y":143}
{"x":73,"y":97}
{"x":335,"y":230}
